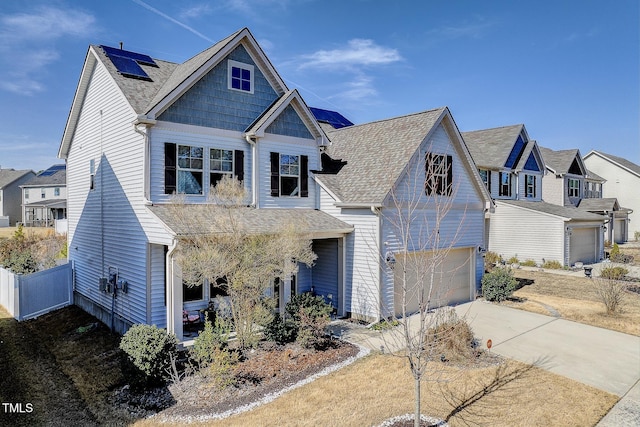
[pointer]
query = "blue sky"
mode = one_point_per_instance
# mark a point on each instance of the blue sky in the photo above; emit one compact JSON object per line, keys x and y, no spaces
{"x":569,"y":70}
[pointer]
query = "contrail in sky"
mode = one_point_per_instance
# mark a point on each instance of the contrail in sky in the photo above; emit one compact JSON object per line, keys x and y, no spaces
{"x":175,"y":21}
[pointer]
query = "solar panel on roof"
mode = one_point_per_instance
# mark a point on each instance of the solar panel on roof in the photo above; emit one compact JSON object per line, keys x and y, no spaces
{"x":334,"y":118}
{"x":138,"y":57}
{"x":128,"y":63}
{"x":53,"y":169}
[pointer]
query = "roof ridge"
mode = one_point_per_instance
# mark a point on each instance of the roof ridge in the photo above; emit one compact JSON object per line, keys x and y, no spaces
{"x":389,"y":119}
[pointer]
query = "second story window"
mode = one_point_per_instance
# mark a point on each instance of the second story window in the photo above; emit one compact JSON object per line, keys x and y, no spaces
{"x":505,"y":184}
{"x":530,"y":186}
{"x":26,"y":193}
{"x":240,"y":76}
{"x":190,"y":166}
{"x":289,"y":175}
{"x":56,"y":191}
{"x":43,"y":194}
{"x":220,"y":163}
{"x":574,"y":187}
{"x":485,"y":175}
{"x":438,"y":174}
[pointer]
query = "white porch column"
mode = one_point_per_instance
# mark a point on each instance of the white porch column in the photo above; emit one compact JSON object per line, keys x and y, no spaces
{"x":174,"y":297}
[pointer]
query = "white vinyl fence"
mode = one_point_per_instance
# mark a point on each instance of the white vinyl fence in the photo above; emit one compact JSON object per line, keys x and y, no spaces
{"x":29,"y":296}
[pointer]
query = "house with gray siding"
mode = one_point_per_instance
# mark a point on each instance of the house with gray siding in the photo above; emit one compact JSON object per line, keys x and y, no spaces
{"x":141,"y":130}
{"x":411,"y":191}
{"x":531,"y":219}
{"x":569,"y":183}
{"x":44,"y":198}
{"x":622,"y":183}
{"x":11,"y":195}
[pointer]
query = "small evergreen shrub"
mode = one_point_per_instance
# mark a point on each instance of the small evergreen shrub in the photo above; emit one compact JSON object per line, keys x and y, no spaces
{"x":150,"y":350}
{"x":222,"y":367}
{"x":281,"y":330}
{"x":614,"y":273}
{"x":498,"y":285}
{"x":213,"y":337}
{"x":552,"y":265}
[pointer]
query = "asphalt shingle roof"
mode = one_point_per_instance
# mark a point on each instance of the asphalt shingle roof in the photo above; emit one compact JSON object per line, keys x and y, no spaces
{"x":57,"y":178}
{"x":376,"y":153}
{"x":203,"y":218}
{"x":7,"y":176}
{"x":491,"y":147}
{"x":559,"y":160}
{"x":569,"y":212}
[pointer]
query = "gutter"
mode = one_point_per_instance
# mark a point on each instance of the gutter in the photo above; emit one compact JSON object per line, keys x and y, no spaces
{"x":147,"y":123}
{"x":252,"y":140}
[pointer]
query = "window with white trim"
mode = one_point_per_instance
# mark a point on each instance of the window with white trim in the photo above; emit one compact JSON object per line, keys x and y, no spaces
{"x":192,"y":292}
{"x":438,"y":174}
{"x":574,"y":187}
{"x":26,"y":193}
{"x":505,"y":184}
{"x":289,"y":175}
{"x":485,"y":175}
{"x":190,"y":167}
{"x":220,"y":164}
{"x":530,"y":186}
{"x":240,"y":76}
{"x":56,"y":191}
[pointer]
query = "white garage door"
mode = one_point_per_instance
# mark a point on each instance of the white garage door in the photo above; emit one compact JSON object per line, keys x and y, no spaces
{"x":619,"y":234}
{"x":583,"y":245}
{"x":451,"y":279}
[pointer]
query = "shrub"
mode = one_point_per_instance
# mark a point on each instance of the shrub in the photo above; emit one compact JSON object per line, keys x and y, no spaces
{"x":613,"y":273}
{"x":451,"y":338}
{"x":552,"y":265}
{"x":490,"y":260}
{"x":636,"y":235}
{"x":615,"y":252}
{"x":281,"y":330}
{"x":498,"y":285}
{"x":513,"y":260}
{"x":529,"y":263}
{"x":150,"y":349}
{"x":213,"y":337}
{"x":611,"y":293}
{"x":221,"y":368}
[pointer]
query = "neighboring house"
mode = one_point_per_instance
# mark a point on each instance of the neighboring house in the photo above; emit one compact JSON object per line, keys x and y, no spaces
{"x":44,"y":198}
{"x":372,"y":170}
{"x":569,"y":183}
{"x":11,"y":196}
{"x":623,"y":183}
{"x":525,"y":224}
{"x":141,"y":130}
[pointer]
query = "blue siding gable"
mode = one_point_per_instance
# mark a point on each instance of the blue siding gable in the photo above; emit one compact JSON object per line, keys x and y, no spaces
{"x":516,"y":153}
{"x":210,"y":103}
{"x":532,"y":163}
{"x":289,"y":123}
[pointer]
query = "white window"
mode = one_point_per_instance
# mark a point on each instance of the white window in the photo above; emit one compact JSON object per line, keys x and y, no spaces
{"x":221,"y":164}
{"x":485,"y":175}
{"x":240,"y":76}
{"x":56,"y":191}
{"x":26,"y":193}
{"x":505,"y":184}
{"x":574,"y":187}
{"x":530,"y":186}
{"x":289,"y":175}
{"x":190,"y":166}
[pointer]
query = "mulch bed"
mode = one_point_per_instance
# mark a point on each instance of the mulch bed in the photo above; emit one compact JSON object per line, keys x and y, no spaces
{"x":267,"y":369}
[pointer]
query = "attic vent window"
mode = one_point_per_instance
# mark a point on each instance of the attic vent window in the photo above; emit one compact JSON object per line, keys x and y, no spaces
{"x":240,"y":76}
{"x":129,"y":63}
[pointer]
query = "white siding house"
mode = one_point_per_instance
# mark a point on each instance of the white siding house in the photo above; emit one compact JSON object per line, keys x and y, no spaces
{"x":379,"y":175}
{"x":622,"y":182}
{"x":133,"y":139}
{"x":11,"y":195}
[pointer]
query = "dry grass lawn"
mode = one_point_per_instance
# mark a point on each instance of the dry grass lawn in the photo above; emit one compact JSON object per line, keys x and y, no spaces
{"x":379,"y":387}
{"x":7,"y":232}
{"x":575,"y":299}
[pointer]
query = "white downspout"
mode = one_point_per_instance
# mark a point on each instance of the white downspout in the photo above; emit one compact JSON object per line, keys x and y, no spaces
{"x":254,"y":169}
{"x":174,"y":315}
{"x":146,"y":164}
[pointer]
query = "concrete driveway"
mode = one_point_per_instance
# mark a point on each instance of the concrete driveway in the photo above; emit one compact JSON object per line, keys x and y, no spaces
{"x":601,"y":358}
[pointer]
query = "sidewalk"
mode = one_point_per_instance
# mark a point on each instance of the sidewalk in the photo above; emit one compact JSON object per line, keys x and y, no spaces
{"x":607,"y":360}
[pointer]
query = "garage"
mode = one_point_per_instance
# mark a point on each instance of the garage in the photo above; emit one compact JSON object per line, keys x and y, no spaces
{"x":452,"y":278}
{"x":583,"y":246}
{"x":619,"y":230}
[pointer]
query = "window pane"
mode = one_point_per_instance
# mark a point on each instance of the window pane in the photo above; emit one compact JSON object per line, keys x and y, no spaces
{"x":235,"y":83}
{"x":191,"y":293}
{"x":246,"y":86}
{"x":235,"y":72}
{"x":226,"y":154}
{"x":246,"y":74}
{"x":189,"y":182}
{"x":288,"y":186}
{"x":227,"y":166}
{"x":196,"y":163}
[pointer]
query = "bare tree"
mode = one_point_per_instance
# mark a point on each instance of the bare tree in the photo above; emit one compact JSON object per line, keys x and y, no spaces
{"x":217,"y":244}
{"x":425,"y":221}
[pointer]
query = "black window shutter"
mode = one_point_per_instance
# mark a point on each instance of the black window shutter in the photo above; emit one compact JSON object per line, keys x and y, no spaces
{"x":238,"y":164}
{"x":449,"y":189}
{"x":169,"y":168}
{"x":275,"y":174}
{"x":304,"y":176}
